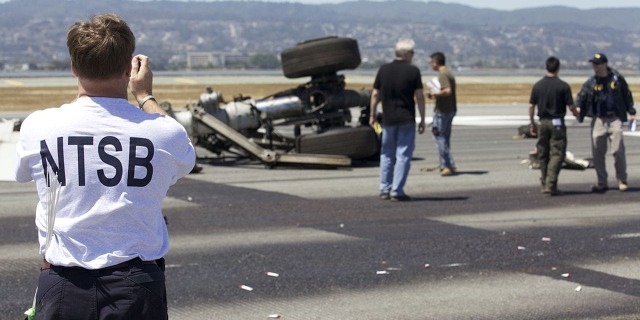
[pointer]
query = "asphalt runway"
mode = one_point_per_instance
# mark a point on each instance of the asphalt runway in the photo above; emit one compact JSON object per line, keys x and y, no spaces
{"x":483,"y":244}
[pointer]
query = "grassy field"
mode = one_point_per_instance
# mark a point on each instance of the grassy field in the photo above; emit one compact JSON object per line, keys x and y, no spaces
{"x":29,"y":98}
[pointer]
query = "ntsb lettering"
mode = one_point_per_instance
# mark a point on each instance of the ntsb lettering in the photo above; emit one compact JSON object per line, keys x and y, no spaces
{"x":109,"y":151}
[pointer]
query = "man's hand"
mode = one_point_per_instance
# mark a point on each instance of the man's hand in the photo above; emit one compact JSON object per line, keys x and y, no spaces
{"x":141,"y":84}
{"x":532,"y":130}
{"x":574,"y":110}
{"x":141,"y":81}
{"x":372,"y":121}
{"x":421,"y":127}
{"x":632,"y":117}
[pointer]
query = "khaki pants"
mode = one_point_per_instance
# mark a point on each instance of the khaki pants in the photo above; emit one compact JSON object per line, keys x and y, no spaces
{"x":552,"y":147}
{"x":603,"y":130}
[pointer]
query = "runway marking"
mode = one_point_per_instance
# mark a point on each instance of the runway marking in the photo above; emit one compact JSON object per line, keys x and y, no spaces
{"x":185,"y":80}
{"x":631,"y":133}
{"x":223,"y":241}
{"x":625,"y":236}
{"x":486,"y":121}
{"x":268,"y":237}
{"x":14,"y":83}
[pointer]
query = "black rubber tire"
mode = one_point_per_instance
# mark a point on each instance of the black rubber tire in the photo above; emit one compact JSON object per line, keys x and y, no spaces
{"x":320,"y":56}
{"x":355,"y":143}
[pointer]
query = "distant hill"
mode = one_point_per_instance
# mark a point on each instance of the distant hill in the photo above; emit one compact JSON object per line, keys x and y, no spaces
{"x":34,"y":31}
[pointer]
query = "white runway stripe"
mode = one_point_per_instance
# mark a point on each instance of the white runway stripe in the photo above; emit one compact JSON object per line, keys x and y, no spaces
{"x":208,"y":242}
{"x":493,"y":120}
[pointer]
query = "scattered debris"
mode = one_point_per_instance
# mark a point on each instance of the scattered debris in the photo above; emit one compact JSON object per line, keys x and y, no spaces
{"x":189,"y":199}
{"x":243,"y":287}
{"x":578,"y":288}
{"x":427,"y":265}
{"x":271,"y":274}
{"x":454,"y":265}
{"x":520,"y":248}
{"x":566,"y":275}
{"x":274,"y":316}
{"x":546,"y":239}
{"x":382,"y":272}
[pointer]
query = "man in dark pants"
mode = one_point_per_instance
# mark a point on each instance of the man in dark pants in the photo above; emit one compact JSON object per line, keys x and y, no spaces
{"x":606,"y":98}
{"x":552,"y":96}
{"x":398,"y":85}
{"x":115,"y":162}
{"x":444,"y":111}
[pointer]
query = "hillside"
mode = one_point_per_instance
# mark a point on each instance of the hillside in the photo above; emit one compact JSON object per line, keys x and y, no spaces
{"x":34,"y":31}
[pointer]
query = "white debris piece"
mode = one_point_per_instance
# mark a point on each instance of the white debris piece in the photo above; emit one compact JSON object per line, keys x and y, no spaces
{"x":426,"y":265}
{"x":382,"y":272}
{"x":546,"y":239}
{"x":453,"y":265}
{"x":578,"y":288}
{"x":272,"y":274}
{"x":521,"y":248}
{"x":189,"y":199}
{"x":243,"y":287}
{"x":566,"y":275}
{"x":274,"y":316}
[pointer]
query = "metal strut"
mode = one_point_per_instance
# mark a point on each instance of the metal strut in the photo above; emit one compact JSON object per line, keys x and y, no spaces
{"x":267,"y":156}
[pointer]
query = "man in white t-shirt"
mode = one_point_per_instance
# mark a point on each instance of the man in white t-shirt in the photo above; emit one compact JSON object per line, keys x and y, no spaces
{"x":115,"y":162}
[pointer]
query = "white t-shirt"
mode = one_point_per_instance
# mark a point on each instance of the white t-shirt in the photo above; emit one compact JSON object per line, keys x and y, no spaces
{"x":117,"y":163}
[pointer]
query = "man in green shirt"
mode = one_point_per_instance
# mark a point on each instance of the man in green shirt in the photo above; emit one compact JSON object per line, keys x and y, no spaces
{"x":444,"y":111}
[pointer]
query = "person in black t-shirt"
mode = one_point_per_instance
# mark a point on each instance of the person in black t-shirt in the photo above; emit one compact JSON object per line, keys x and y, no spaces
{"x":552,"y":96}
{"x":397,"y":84}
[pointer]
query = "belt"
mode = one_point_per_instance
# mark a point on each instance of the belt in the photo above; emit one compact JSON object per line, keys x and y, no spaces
{"x":46,"y":265}
{"x":609,"y":116}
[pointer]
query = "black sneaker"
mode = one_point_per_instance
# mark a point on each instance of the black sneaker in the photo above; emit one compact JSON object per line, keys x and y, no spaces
{"x":402,"y":198}
{"x":385,"y":196}
{"x":599,"y":188}
{"x":555,"y":192}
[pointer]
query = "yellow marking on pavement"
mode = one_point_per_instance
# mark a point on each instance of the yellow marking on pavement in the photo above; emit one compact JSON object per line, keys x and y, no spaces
{"x":186,"y":80}
{"x":14,"y":83}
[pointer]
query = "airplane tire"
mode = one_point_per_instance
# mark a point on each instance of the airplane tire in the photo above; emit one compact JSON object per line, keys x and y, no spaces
{"x":320,"y":56}
{"x":355,"y":143}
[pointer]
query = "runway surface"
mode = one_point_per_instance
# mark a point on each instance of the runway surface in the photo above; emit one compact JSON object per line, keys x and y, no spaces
{"x":483,"y":244}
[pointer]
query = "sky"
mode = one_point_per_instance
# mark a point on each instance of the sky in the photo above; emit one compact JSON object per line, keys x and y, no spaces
{"x":520,"y":4}
{"x":496,"y":4}
{"x":501,"y":4}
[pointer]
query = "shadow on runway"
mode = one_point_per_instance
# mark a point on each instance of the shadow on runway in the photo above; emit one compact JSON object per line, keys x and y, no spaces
{"x":472,"y":173}
{"x":416,"y":199}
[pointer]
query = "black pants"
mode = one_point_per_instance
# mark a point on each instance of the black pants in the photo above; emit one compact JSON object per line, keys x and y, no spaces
{"x":134,"y":291}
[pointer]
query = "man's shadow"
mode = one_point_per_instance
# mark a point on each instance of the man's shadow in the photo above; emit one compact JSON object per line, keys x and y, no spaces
{"x":470,"y":172}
